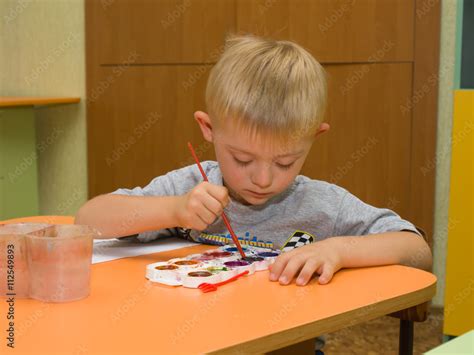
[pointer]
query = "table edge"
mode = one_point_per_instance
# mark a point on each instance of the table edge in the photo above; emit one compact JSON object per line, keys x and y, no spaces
{"x":311,"y":330}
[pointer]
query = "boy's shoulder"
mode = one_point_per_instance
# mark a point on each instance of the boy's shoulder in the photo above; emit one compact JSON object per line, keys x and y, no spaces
{"x":183,"y":179}
{"x":176,"y":182}
{"x":304,"y":184}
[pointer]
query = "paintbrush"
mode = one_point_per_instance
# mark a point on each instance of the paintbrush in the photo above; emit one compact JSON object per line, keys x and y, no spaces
{"x":224,"y":217}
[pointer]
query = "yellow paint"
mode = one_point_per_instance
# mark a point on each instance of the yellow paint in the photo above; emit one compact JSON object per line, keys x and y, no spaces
{"x":459,"y":294}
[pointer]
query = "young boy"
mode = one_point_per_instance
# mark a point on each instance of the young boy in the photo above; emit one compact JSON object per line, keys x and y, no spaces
{"x":265,"y":102}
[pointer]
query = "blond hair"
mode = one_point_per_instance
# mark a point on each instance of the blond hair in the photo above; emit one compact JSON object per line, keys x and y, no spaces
{"x":267,"y":86}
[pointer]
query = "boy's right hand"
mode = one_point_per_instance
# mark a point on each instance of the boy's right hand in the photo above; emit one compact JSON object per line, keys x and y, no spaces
{"x":201,"y":206}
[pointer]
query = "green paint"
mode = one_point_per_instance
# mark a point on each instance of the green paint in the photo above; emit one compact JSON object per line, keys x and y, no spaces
{"x":18,"y":163}
{"x":458,"y":50}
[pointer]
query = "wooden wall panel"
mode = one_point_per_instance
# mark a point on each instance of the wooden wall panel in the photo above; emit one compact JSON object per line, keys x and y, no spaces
{"x":421,"y":105}
{"x":139,"y":128}
{"x":367,"y":150}
{"x":163,"y":31}
{"x":335,"y":31}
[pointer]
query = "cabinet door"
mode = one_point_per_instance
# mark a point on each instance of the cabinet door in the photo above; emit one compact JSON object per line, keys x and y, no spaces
{"x":160,"y":31}
{"x":138,"y":127}
{"x":367,"y":150}
{"x":335,"y":31}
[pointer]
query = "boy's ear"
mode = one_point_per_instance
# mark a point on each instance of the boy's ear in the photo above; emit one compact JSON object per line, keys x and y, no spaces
{"x":323,"y":127}
{"x":204,"y":122}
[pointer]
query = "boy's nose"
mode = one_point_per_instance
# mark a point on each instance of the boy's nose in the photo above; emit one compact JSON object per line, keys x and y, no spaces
{"x":262,"y":178}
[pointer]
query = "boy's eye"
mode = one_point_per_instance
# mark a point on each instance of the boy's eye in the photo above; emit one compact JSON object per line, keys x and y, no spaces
{"x":241,"y":162}
{"x":284,"y":166}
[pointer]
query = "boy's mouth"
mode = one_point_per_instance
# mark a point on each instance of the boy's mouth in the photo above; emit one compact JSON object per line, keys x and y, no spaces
{"x":258,"y":194}
{"x":240,"y":197}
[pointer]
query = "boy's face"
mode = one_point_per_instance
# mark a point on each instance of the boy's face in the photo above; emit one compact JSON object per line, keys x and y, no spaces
{"x":254,"y":171}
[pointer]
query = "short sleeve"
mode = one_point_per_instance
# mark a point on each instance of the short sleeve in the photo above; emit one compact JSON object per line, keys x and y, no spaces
{"x":159,"y":186}
{"x":174,"y":183}
{"x":356,"y":217}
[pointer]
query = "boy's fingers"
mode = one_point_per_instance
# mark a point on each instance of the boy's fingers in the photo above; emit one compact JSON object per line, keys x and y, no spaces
{"x":199,"y":224}
{"x":326,"y":275}
{"x":292,"y":268}
{"x":212,"y":205}
{"x":220,"y":193}
{"x":207,"y":216}
{"x":278,"y":267}
{"x":307,"y":272}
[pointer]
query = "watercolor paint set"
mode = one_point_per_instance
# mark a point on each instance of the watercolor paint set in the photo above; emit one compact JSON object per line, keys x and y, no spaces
{"x":211,"y":267}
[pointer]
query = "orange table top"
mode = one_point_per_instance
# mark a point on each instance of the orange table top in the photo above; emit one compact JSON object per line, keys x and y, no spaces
{"x":126,"y":313}
{"x":41,"y":219}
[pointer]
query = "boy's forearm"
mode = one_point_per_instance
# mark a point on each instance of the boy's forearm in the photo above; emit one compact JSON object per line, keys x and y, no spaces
{"x":118,"y":215}
{"x":403,"y":248}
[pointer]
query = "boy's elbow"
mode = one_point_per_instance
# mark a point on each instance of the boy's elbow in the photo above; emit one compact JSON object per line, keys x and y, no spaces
{"x":81,"y":216}
{"x":421,"y":257}
{"x":87,"y":214}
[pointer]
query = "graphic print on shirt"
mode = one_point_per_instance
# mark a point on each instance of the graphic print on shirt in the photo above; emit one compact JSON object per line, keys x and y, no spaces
{"x":297,"y":239}
{"x":222,"y":239}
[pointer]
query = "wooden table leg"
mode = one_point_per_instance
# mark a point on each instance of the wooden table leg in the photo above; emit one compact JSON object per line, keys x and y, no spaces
{"x":407,"y":318}
{"x":405,"y":343}
{"x":305,"y":347}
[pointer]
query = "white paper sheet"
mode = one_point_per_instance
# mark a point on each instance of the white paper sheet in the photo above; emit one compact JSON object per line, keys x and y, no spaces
{"x":111,"y":249}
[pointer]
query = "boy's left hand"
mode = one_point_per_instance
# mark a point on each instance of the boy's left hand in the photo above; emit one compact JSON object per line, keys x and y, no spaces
{"x":321,"y":257}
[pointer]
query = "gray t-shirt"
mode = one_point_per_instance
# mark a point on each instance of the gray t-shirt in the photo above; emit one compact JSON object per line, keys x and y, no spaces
{"x":307,"y":211}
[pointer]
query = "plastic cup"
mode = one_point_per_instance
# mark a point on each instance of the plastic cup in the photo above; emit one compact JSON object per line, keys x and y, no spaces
{"x":59,"y":262}
{"x":14,"y":274}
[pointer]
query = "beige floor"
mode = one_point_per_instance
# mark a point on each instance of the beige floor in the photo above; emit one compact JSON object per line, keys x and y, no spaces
{"x":380,"y":336}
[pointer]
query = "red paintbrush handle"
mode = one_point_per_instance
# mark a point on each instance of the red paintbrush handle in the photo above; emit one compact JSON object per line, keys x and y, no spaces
{"x":233,"y":278}
{"x":232,"y":234}
{"x":196,"y":159}
{"x":224,"y":217}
